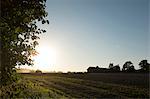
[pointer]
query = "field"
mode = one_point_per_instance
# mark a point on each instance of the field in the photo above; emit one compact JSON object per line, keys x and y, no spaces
{"x":102,"y":85}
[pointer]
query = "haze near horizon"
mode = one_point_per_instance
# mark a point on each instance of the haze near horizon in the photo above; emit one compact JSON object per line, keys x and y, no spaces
{"x":85,"y":33}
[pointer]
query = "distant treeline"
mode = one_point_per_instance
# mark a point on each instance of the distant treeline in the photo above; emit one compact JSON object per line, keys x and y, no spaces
{"x":127,"y":67}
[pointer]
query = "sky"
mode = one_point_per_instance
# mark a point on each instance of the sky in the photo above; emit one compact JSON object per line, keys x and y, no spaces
{"x":86,"y":33}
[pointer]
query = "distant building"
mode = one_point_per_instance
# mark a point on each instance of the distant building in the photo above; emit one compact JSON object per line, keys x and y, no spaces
{"x":104,"y":70}
{"x":97,"y":70}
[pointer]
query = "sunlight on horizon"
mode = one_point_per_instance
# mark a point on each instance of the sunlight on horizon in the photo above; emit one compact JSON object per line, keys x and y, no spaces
{"x":100,"y":33}
{"x":46,"y":58}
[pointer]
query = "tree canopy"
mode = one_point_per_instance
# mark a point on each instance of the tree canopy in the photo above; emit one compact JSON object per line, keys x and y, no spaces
{"x":128,"y":66}
{"x":144,"y":65}
{"x":19,"y":33}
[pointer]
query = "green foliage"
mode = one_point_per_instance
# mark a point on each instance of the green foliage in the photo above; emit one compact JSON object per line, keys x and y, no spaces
{"x":19,"y":33}
{"x":21,"y":89}
{"x":25,"y":88}
{"x":10,"y":77}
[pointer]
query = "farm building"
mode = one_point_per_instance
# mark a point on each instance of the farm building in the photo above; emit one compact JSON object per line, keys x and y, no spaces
{"x":97,"y":70}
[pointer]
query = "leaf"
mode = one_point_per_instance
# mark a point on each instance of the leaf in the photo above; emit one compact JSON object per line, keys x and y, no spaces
{"x":18,"y":29}
{"x":43,"y":21}
{"x":47,"y":21}
{"x":18,"y":25}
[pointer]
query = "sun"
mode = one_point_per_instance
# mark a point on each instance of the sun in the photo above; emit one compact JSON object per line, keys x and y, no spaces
{"x":45,"y":59}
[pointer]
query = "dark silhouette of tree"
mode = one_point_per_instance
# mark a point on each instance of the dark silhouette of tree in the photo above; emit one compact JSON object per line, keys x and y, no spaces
{"x":111,"y":65}
{"x":144,"y":65}
{"x":114,"y":68}
{"x":97,"y":67}
{"x":128,"y":67}
{"x":117,"y":68}
{"x":19,"y":34}
{"x":131,"y":69}
{"x":38,"y":71}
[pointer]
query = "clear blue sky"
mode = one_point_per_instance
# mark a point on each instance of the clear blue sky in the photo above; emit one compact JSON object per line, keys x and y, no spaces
{"x":97,"y":32}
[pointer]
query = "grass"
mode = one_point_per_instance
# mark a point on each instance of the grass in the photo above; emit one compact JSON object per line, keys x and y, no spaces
{"x":26,"y":88}
{"x":61,"y":86}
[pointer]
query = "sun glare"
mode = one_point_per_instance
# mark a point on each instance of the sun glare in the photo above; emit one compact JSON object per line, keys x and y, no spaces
{"x":45,"y":59}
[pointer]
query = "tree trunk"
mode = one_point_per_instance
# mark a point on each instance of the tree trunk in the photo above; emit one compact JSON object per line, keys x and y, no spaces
{"x":5,"y":69}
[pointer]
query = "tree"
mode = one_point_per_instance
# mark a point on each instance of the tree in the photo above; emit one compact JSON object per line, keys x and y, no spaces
{"x":114,"y":68}
{"x":19,"y":34}
{"x":144,"y":65}
{"x":38,"y":71}
{"x":128,"y":66}
{"x":111,"y":65}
